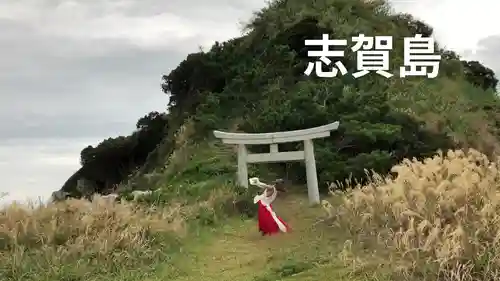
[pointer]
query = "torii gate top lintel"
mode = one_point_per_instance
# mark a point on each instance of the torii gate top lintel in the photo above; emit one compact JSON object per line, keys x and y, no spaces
{"x":277,"y":137}
{"x":273,"y":139}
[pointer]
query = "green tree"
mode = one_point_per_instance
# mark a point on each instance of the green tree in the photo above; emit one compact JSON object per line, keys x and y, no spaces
{"x":480,"y":75}
{"x":114,"y":159}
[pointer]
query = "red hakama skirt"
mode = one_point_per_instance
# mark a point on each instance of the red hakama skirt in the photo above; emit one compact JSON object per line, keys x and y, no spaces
{"x":269,"y":222}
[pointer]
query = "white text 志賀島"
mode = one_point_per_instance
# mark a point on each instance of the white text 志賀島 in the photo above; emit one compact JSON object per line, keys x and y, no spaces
{"x":373,"y":55}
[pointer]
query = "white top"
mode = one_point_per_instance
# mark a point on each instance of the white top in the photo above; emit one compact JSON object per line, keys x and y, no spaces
{"x":266,"y":200}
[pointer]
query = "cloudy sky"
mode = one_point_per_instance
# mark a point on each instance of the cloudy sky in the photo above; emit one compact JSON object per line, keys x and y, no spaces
{"x":73,"y":72}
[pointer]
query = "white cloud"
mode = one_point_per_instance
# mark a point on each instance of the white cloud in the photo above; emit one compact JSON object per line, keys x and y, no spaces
{"x":458,"y":25}
{"x":79,"y":21}
{"x":161,"y":30}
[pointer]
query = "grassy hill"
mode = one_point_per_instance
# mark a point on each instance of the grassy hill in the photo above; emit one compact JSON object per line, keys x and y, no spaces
{"x":429,"y":220}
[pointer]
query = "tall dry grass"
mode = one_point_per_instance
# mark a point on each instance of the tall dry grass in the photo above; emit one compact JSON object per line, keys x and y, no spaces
{"x":80,"y":238}
{"x":436,"y":220}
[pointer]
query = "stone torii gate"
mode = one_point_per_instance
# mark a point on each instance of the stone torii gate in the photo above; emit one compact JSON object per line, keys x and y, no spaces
{"x":273,"y":139}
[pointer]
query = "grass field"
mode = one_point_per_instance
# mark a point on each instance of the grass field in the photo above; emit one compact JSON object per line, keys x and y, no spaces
{"x":436,"y":220}
{"x":237,"y":251}
{"x":231,"y":250}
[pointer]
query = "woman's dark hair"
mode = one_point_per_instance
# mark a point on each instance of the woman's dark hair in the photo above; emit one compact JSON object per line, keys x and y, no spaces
{"x":280,"y":185}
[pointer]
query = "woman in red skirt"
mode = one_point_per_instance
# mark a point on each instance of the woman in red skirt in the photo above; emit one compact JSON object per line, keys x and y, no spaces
{"x":269,"y":222}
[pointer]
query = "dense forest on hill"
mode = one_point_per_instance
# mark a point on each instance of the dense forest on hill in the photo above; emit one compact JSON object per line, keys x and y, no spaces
{"x":256,"y":83}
